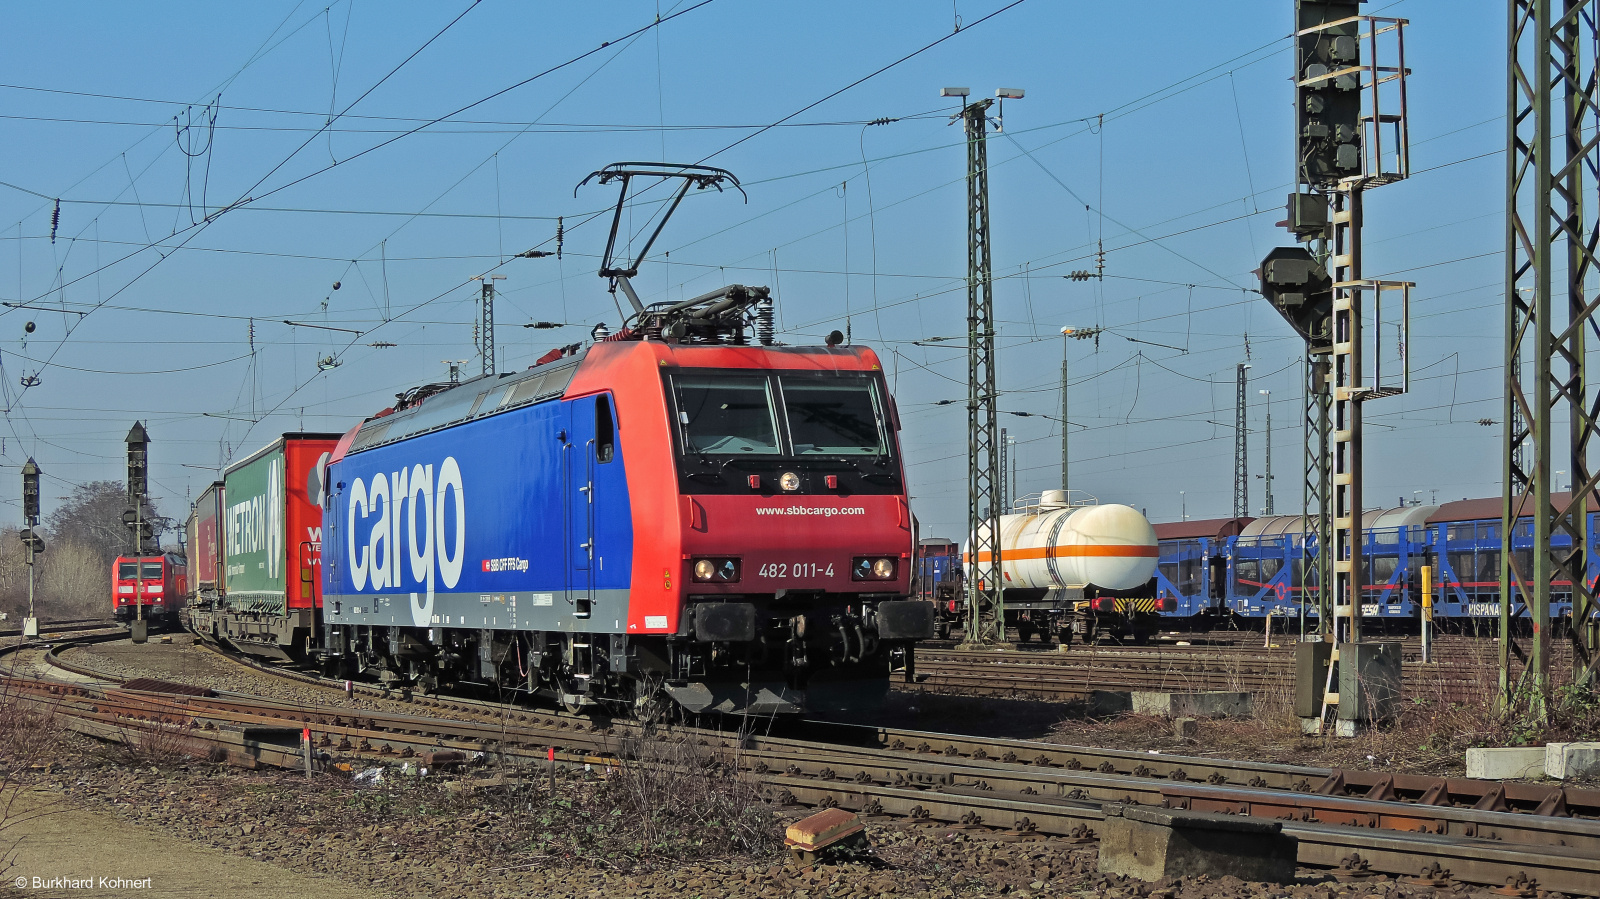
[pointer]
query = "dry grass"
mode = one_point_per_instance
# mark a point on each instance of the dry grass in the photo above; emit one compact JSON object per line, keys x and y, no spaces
{"x":1440,"y":716}
{"x":661,"y":802}
{"x":28,"y":734}
{"x":71,"y":580}
{"x":156,"y":744}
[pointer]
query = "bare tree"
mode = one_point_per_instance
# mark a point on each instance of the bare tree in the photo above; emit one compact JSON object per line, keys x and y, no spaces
{"x":92,"y":517}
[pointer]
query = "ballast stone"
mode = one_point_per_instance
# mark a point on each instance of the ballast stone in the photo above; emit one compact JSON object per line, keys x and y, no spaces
{"x":1506,"y":763}
{"x":1193,"y":705}
{"x":1150,"y":844}
{"x":1563,"y":761}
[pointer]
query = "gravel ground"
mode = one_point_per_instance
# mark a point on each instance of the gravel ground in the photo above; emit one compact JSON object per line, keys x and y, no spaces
{"x":429,"y":839}
{"x":181,"y":661}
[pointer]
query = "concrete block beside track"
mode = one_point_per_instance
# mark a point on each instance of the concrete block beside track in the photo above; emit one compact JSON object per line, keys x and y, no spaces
{"x":1193,"y":705}
{"x":1151,"y":843}
{"x":1506,"y":762}
{"x":1110,"y":702}
{"x":1568,"y":760}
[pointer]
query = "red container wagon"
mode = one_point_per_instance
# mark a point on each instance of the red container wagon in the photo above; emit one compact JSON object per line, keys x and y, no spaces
{"x":203,"y":545}
{"x":158,"y":582}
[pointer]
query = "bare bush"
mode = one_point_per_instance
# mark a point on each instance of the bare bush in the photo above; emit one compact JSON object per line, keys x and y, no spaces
{"x":157,"y":744}
{"x":70,"y":579}
{"x":676,"y":795}
{"x":74,"y":582}
{"x":669,"y":801}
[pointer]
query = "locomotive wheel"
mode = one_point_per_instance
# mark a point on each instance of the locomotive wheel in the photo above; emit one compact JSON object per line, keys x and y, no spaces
{"x":572,"y":702}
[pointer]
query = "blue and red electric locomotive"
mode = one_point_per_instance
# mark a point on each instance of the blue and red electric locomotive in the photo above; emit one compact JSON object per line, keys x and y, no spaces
{"x":726,"y":522}
{"x":683,"y":510}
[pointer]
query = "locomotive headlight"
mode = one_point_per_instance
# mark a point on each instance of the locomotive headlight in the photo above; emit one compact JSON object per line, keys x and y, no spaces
{"x":871,"y":568}
{"x":718,"y":570}
{"x":789,"y":481}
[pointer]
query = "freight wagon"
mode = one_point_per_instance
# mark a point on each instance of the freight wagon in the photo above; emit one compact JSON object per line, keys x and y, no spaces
{"x":1254,"y":568}
{"x":202,"y":539}
{"x":269,"y":552}
{"x":1083,"y":571}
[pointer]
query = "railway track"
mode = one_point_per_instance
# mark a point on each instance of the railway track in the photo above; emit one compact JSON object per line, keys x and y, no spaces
{"x":1078,"y":673}
{"x":50,"y":629}
{"x":1481,"y":832}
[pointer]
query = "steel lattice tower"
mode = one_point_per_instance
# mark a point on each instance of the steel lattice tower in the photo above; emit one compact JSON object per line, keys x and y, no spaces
{"x":985,"y":619}
{"x":1550,"y":233}
{"x":486,"y":322}
{"x":1241,"y":448}
{"x":1316,"y":573}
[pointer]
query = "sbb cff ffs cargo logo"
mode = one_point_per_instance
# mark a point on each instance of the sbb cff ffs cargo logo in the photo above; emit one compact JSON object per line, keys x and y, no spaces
{"x":410,"y":509}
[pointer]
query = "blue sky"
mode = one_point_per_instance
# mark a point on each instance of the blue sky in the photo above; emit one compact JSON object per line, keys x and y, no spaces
{"x":143,"y":303}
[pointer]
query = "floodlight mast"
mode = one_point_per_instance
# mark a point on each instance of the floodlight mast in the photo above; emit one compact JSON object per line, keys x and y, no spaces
{"x":697,"y":176}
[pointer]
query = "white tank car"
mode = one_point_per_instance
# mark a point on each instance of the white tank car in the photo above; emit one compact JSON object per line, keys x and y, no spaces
{"x":1054,"y":547}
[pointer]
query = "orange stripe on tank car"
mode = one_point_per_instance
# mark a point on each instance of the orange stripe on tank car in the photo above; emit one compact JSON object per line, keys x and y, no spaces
{"x":1039,"y":552}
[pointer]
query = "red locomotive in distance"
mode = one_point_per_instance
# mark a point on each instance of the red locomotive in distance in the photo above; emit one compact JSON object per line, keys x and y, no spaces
{"x":160,"y":587}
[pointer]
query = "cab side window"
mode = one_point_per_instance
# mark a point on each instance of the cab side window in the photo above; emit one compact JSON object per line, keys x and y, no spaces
{"x":605,"y":432}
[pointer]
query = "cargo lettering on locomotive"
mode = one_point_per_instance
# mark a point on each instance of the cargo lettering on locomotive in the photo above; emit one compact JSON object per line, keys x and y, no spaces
{"x":435,"y":547}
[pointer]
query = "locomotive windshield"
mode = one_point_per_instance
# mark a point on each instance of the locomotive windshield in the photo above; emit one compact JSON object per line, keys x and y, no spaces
{"x":833,"y":419}
{"x":129,"y":570}
{"x":727,"y":415}
{"x":738,"y":415}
